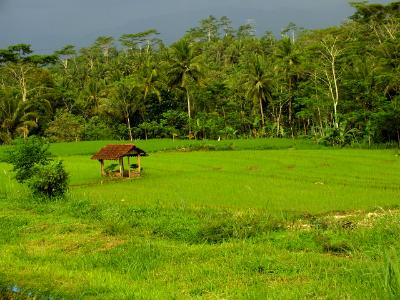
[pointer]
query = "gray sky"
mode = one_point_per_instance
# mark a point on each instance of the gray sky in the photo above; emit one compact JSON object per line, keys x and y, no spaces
{"x":51,"y":24}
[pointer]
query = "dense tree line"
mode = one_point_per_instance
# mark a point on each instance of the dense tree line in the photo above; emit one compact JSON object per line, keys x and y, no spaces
{"x":337,"y":85}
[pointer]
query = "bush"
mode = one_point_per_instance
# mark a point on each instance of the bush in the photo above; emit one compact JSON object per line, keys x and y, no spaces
{"x":25,"y":155}
{"x":49,"y":180}
{"x":32,"y":164}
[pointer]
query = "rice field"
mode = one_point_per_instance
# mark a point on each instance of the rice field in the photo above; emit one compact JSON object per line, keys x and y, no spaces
{"x":243,"y":219}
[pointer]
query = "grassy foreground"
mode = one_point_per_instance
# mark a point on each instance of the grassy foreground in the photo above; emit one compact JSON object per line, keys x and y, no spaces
{"x":294,"y":222}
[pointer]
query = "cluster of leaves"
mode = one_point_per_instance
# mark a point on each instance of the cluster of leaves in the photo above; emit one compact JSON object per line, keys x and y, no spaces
{"x":50,"y":180}
{"x":26,"y":155}
{"x":32,"y":165}
{"x":338,"y":85}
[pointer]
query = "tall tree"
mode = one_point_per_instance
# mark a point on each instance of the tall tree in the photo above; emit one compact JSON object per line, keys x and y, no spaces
{"x":185,"y":67}
{"x":125,"y":99}
{"x":287,"y":63}
{"x":257,"y":83}
{"x":330,"y":53}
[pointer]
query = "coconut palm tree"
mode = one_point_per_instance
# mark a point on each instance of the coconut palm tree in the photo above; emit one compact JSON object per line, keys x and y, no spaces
{"x":287,"y":64}
{"x":16,"y":118}
{"x":151,"y":79}
{"x":185,"y":67}
{"x":257,"y":83}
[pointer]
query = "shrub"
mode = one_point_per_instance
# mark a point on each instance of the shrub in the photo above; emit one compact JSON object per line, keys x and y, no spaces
{"x":25,"y":155}
{"x":49,"y":180}
{"x":32,"y":164}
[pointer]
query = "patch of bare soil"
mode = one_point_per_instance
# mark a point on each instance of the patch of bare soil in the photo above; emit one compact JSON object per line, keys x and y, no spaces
{"x":346,"y":220}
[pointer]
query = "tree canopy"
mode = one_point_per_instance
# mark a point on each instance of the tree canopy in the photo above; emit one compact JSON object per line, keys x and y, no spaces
{"x":216,"y":81}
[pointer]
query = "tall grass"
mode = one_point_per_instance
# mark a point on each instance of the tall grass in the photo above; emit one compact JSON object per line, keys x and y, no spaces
{"x":84,"y":249}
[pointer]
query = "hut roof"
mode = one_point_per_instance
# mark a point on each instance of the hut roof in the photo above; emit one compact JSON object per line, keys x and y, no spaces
{"x":114,"y":152}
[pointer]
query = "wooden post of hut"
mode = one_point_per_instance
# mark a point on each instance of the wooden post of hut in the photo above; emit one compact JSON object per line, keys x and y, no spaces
{"x":118,"y":152}
{"x":138,"y":162}
{"x":129,"y":167}
{"x":121,"y":166}
{"x":102,"y":167}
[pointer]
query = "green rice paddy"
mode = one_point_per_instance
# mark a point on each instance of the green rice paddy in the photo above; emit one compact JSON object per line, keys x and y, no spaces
{"x":247,"y":219}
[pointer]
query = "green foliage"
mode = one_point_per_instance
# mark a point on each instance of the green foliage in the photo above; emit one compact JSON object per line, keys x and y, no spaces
{"x":32,"y":164}
{"x":341,"y":136}
{"x":374,"y":12}
{"x":49,"y":180}
{"x":97,"y":129}
{"x":16,"y":118}
{"x":65,"y":128}
{"x":385,"y":126}
{"x":216,"y":81}
{"x":174,"y":123}
{"x":257,"y":83}
{"x":150,"y":128}
{"x":25,"y":155}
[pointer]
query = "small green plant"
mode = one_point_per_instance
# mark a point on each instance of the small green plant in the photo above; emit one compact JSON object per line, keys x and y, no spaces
{"x":49,"y":180}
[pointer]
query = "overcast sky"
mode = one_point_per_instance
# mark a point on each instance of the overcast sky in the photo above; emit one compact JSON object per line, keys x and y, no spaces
{"x":51,"y":24}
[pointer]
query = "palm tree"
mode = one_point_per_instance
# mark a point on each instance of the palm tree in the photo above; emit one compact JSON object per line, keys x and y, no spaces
{"x":151,"y":79}
{"x":257,"y":83}
{"x":185,"y":67}
{"x":93,"y":95}
{"x":287,"y":63}
{"x":16,"y":117}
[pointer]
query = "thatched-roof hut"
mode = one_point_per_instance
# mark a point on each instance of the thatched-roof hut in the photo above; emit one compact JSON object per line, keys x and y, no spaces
{"x":118,"y":152}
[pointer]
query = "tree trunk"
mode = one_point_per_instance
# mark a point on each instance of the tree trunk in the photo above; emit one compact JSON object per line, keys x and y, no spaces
{"x":278,"y":120}
{"x":20,"y":75}
{"x":25,"y":132}
{"x":330,"y":55}
{"x":189,"y":112}
{"x":335,"y":118}
{"x":188,"y":102}
{"x":336,"y":98}
{"x":262,"y":113}
{"x":290,"y":105}
{"x":320,"y":123}
{"x":23,"y":89}
{"x":128,"y":121}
